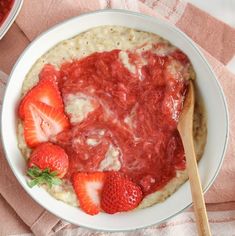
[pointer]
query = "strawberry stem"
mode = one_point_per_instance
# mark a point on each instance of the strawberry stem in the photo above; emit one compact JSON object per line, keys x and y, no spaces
{"x":40,"y":177}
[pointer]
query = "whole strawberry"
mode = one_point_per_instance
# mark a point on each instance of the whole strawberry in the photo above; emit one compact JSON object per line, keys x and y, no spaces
{"x":119,"y":193}
{"x":47,"y":164}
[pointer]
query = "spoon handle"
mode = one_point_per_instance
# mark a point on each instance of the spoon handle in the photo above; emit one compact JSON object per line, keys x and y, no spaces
{"x":185,"y":128}
{"x":196,"y":188}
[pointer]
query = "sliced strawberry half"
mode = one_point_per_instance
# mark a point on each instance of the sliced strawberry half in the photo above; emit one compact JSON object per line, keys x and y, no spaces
{"x":88,"y":188}
{"x":42,"y":122}
{"x":45,"y":91}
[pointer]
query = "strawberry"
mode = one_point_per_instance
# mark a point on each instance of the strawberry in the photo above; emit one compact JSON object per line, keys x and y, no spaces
{"x":88,"y":188}
{"x":119,"y":193}
{"x":47,"y":163}
{"x":45,"y":91}
{"x":42,"y":123}
{"x":49,"y":73}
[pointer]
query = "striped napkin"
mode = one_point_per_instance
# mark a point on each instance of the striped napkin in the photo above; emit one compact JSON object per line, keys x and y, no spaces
{"x":20,"y":214}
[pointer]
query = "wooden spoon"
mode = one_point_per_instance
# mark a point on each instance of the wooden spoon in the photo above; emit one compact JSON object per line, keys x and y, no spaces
{"x":185,"y":128}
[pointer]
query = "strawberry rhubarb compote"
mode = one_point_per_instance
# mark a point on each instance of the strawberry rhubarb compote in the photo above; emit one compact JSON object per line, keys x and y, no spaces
{"x":98,"y":120}
{"x":136,"y":114}
{"x":5,"y":8}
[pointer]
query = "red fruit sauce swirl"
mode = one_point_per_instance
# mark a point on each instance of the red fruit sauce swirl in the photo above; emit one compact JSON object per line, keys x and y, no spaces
{"x":5,"y":8}
{"x":150,"y":149}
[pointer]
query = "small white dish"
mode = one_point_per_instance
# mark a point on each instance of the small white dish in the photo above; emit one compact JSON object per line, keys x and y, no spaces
{"x":206,"y":82}
{"x":11,"y":17}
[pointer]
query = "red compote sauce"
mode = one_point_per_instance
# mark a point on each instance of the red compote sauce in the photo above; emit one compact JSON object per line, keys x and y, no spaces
{"x":135,"y":112}
{"x":5,"y":7}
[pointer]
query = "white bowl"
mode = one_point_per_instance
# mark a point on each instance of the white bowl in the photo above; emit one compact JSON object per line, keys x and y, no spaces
{"x":11,"y":17}
{"x":206,"y":81}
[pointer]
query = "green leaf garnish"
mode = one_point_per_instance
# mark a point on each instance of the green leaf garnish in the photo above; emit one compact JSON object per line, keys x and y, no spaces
{"x":40,"y":177}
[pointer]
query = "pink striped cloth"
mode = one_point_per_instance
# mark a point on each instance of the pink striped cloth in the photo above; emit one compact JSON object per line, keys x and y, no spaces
{"x":20,"y":214}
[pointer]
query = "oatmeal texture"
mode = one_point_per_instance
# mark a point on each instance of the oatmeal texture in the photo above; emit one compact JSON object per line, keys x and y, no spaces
{"x":100,"y":39}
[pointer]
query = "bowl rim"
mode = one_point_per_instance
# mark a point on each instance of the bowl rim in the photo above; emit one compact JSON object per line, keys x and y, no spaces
{"x":176,"y":30}
{"x":11,"y":17}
